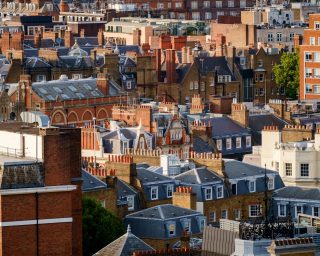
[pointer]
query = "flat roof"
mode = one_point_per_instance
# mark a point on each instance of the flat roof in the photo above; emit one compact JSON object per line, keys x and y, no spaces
{"x":14,"y":126}
{"x":10,"y":160}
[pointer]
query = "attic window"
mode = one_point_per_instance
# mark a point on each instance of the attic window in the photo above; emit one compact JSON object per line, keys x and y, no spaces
{"x":65,"y":96}
{"x":42,"y":90}
{"x":72,"y":88}
{"x":57,"y":89}
{"x":50,"y":97}
{"x":94,"y":93}
{"x":88,"y":87}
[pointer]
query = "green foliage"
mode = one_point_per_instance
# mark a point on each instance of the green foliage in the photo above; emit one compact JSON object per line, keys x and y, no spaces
{"x":287,"y":74}
{"x":100,"y":227}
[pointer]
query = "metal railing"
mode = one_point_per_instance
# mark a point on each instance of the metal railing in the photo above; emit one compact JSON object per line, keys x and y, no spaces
{"x":11,"y":152}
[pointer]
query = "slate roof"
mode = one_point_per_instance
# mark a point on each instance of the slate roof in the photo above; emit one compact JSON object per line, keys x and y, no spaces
{"x":302,"y":193}
{"x":309,"y":119}
{"x":211,"y":64}
{"x":236,"y":170}
{"x":70,"y":89}
{"x":45,"y":43}
{"x":198,"y":176}
{"x":224,"y":126}
{"x":87,"y":41}
{"x":74,"y":61}
{"x":124,"y":246}
{"x":200,"y":146}
{"x":126,"y":61}
{"x":91,"y":183}
{"x":36,"y":62}
{"x":182,"y":70}
{"x":146,"y":176}
{"x":124,"y":189}
{"x":123,"y":49}
{"x":257,"y":122}
{"x":163,"y":212}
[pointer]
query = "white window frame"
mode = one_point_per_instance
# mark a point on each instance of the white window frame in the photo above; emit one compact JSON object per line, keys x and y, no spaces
{"x":237,"y":214}
{"x":258,"y":210}
{"x":206,"y":189}
{"x":238,"y":142}
{"x":219,"y":192}
{"x":169,"y":189}
{"x":318,"y":210}
{"x":132,"y":202}
{"x":226,"y":211}
{"x":271,"y":178}
{"x":215,"y":216}
{"x":219,"y":144}
{"x":219,"y":4}
{"x":41,"y":78}
{"x":312,"y":40}
{"x":279,"y":210}
{"x":228,"y":143}
{"x":254,"y":186}
{"x":157,"y":193}
{"x":248,"y":141}
{"x":296,"y":209}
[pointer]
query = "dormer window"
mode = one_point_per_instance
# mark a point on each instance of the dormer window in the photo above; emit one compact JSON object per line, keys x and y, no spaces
{"x":208,"y":193}
{"x":270,"y":183}
{"x":171,"y":228}
{"x":186,"y":224}
{"x":141,"y":143}
{"x":154,"y":193}
{"x":252,"y":186}
{"x":220,"y":192}
{"x":228,"y":144}
{"x":169,"y":190}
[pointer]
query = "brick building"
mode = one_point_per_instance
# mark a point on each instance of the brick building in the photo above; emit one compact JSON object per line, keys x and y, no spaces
{"x":40,"y":191}
{"x":309,"y":60}
{"x":69,"y":102}
{"x":196,"y":10}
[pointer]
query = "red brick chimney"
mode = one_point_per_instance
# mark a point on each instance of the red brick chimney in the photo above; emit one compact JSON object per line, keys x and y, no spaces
{"x":25,"y":85}
{"x":100,"y":37}
{"x":171,"y":66}
{"x":68,"y":39}
{"x":64,"y":7}
{"x":37,"y":40}
{"x":82,"y":32}
{"x":158,"y":63}
{"x":103,"y":84}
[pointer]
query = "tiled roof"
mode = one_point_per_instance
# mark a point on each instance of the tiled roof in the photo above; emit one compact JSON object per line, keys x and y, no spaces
{"x":302,"y":193}
{"x":87,"y":41}
{"x":91,"y":183}
{"x":124,"y":246}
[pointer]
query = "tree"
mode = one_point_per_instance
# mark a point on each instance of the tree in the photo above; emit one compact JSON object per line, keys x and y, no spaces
{"x":287,"y":74}
{"x":100,"y":227}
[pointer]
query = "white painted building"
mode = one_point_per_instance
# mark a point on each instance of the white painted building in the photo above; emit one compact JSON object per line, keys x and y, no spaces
{"x":298,"y":163}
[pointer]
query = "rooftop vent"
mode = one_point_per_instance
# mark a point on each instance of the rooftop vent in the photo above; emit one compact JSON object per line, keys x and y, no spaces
{"x":64,"y":78}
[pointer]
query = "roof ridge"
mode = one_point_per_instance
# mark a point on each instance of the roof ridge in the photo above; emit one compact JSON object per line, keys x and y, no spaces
{"x":161,"y":212}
